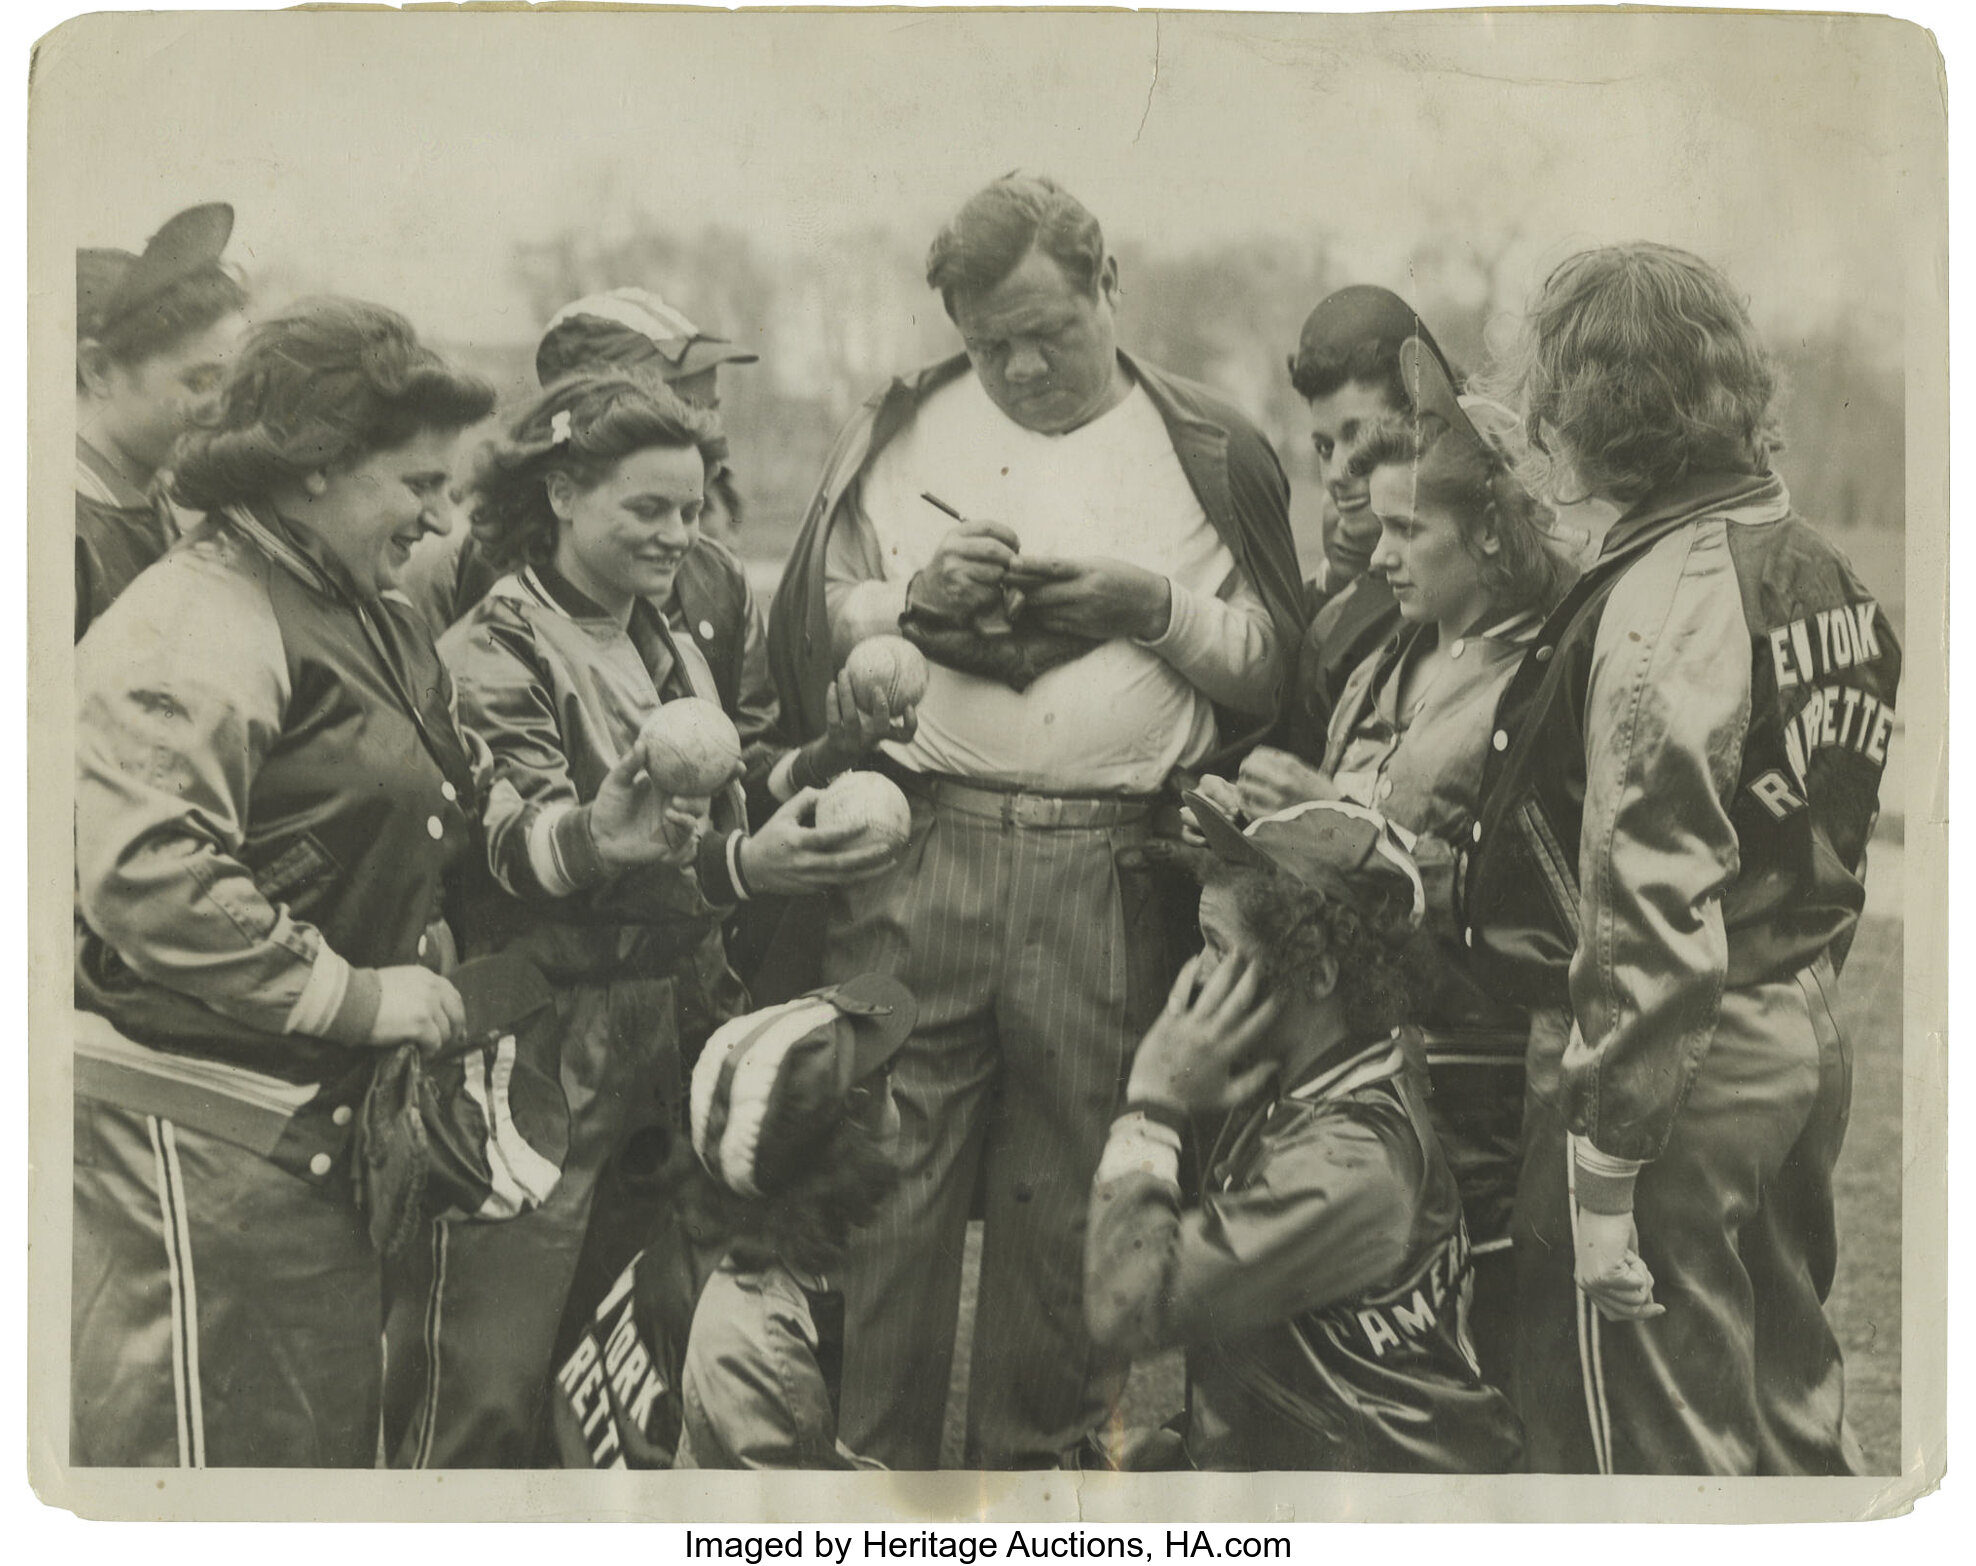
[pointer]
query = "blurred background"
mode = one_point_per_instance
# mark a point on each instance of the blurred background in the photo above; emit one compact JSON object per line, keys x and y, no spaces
{"x":778,"y":178}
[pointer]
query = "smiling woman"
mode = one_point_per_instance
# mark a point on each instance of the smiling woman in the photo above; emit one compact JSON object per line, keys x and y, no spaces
{"x":270,"y":796}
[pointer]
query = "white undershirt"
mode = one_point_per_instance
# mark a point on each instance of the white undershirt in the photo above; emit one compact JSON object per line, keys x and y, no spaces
{"x":1121,"y":717}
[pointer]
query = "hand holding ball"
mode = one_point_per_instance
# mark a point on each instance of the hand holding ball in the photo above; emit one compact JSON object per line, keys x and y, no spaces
{"x":889,"y":667}
{"x":869,"y":802}
{"x":691,"y":749}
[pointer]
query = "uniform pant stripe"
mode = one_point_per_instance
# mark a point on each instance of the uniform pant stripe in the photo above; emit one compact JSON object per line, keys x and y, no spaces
{"x":170,"y":1232}
{"x":195,"y":1401}
{"x":434,"y":1316}
{"x":1591,"y":1365}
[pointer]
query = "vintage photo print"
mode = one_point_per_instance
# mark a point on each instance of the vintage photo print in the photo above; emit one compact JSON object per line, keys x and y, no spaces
{"x":992,"y":765}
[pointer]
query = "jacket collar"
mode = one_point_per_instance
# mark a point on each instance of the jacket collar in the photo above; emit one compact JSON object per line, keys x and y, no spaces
{"x":1740,"y":497}
{"x":546,"y":586}
{"x":98,"y":477}
{"x":1349,"y":1068}
{"x":296,"y":550}
{"x":1199,"y":442}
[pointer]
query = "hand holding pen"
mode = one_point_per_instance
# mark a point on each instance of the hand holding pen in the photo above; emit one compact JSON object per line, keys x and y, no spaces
{"x":966,"y":578}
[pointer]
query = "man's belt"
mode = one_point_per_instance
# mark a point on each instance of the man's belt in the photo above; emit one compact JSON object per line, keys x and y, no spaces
{"x":1016,"y":804}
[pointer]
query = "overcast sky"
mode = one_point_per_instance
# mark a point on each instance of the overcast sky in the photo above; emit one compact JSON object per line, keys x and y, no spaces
{"x":402,"y":157}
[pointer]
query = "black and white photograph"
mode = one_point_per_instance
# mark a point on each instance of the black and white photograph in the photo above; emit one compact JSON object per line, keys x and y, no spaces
{"x":1154,"y":765}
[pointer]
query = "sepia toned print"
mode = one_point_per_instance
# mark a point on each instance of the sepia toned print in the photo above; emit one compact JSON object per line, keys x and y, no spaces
{"x":1132,"y":787}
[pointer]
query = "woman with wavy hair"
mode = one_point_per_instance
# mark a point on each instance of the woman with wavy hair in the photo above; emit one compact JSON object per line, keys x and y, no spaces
{"x":589,"y":503}
{"x":1474,"y":563}
{"x":1670,"y":860}
{"x":270,"y":795}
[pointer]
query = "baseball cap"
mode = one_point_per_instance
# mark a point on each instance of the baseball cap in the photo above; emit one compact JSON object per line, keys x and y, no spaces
{"x":113,"y":284}
{"x":1351,"y":854}
{"x":812,"y":1050}
{"x":1358,"y":314}
{"x":632,"y":328}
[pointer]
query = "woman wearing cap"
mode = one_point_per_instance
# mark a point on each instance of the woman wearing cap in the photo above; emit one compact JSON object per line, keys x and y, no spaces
{"x":270,"y":794}
{"x":153,"y":334}
{"x":1467,"y":554}
{"x":1671,"y":860}
{"x":1317,"y":1283}
{"x":590,"y":502}
{"x":794,"y":1126}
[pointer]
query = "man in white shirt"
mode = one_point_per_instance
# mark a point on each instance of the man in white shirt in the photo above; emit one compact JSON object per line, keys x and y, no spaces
{"x":1097,"y":559}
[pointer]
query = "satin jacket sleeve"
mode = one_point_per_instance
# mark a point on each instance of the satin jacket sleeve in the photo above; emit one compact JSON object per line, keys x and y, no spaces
{"x":181,"y":695}
{"x":1326,"y":1216}
{"x":1666,"y":712}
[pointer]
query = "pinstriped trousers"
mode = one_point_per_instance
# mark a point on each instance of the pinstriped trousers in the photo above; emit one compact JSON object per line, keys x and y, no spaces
{"x":225,"y":1312}
{"x":1038,"y":962}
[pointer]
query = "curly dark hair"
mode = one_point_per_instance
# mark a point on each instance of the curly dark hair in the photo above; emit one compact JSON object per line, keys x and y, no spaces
{"x":1478,"y":484}
{"x":1000,"y":224}
{"x":1643,"y":359}
{"x":1384,"y":964}
{"x":582,"y":426}
{"x":326,"y":382}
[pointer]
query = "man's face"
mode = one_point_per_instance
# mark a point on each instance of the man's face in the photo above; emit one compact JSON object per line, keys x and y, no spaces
{"x":1046,"y":351}
{"x":1223,"y":934}
{"x":143,"y":408}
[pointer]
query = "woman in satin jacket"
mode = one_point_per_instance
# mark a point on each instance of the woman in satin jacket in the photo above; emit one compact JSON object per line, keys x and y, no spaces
{"x":1470,"y":558}
{"x":590,"y":504}
{"x":270,"y":796}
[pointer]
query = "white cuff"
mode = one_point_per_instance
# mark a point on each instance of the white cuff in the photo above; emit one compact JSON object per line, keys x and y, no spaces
{"x":322,"y":997}
{"x":1140,"y":1146}
{"x":741,"y":892}
{"x":550,"y":873}
{"x":781,"y":777}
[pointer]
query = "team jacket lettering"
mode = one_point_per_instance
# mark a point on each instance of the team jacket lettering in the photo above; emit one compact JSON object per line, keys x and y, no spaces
{"x":1682,"y":782}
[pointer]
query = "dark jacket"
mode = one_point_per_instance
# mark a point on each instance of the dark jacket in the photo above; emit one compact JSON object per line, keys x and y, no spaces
{"x":1682,"y":781}
{"x":1228,"y":462}
{"x":1318,"y":1286}
{"x":119,"y":530}
{"x":271,"y":794}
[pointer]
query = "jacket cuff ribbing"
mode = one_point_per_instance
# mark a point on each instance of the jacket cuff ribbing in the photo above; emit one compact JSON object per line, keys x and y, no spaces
{"x":1603,"y":1183}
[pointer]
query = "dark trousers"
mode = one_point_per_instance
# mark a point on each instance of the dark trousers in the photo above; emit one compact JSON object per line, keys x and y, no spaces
{"x":225,"y":1312}
{"x":476,"y":1307}
{"x":1742,"y":1375}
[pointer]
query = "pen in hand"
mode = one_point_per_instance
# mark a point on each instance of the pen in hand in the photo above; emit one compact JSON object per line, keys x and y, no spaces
{"x":993,"y":623}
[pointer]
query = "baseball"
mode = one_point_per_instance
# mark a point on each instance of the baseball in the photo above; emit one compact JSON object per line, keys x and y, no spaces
{"x":868,"y":801}
{"x":888,"y":666}
{"x":691,"y":748}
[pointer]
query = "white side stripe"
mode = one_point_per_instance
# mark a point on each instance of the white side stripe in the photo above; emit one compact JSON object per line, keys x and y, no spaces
{"x":518,"y":1176}
{"x":177,"y":1299}
{"x":194,"y":1387}
{"x":434,"y":1315}
{"x":1591,"y":1368}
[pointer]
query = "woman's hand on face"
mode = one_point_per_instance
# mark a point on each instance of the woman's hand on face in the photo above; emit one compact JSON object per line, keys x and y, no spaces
{"x":1196,"y":1056}
{"x":1273,"y":780}
{"x":417,"y":1006}
{"x":791,"y":855}
{"x":852,"y":730}
{"x":633,"y":823}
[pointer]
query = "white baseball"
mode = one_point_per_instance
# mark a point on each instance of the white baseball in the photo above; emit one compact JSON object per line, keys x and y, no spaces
{"x":889,"y":666}
{"x":691,"y":748}
{"x":870,"y":802}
